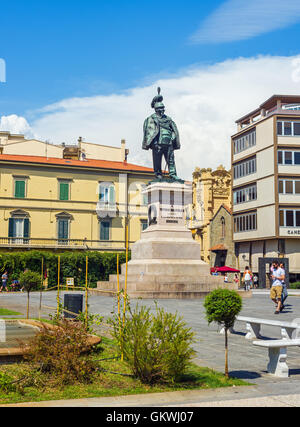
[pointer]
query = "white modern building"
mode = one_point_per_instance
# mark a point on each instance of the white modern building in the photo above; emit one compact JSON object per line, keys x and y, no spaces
{"x":266,"y":185}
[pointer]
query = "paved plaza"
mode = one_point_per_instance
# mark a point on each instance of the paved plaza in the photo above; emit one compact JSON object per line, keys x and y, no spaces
{"x":245,"y":360}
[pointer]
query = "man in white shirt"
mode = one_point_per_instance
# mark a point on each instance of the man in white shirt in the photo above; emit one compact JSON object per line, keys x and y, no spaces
{"x":277,"y":276}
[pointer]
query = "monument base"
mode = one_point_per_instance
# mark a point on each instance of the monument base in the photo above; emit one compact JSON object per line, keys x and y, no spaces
{"x":166,"y":261}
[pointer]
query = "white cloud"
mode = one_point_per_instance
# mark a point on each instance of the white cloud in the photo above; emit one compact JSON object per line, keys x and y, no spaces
{"x":16,"y":125}
{"x":243,"y":19}
{"x":204,"y":102}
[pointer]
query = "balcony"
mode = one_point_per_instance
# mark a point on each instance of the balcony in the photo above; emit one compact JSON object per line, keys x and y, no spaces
{"x":62,"y":244}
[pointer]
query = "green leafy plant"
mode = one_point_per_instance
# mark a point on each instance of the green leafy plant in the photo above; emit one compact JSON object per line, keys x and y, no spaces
{"x":89,"y":321}
{"x":73,"y":264}
{"x":30,"y":281}
{"x":157,"y":347}
{"x":295,"y":285}
{"x":59,"y":352}
{"x":6,"y":383}
{"x":222,"y":306}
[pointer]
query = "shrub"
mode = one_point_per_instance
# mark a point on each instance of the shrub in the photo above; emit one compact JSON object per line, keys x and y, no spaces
{"x":222,"y":306}
{"x":295,"y":285}
{"x":6,"y":383}
{"x":30,"y":281}
{"x":59,"y":350}
{"x":101,"y":265}
{"x":157,"y":347}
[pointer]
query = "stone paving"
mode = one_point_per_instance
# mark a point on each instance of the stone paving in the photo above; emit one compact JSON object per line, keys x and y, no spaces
{"x":245,"y":360}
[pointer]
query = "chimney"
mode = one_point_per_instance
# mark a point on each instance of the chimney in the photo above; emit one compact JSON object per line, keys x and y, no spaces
{"x":123,"y":151}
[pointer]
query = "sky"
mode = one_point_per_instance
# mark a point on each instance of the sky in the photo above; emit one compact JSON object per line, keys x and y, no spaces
{"x":91,"y":68}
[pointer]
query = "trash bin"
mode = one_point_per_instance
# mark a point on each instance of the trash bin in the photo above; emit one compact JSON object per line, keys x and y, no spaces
{"x":73,"y":303}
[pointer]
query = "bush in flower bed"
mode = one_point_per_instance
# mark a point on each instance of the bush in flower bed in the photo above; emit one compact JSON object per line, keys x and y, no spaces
{"x":59,"y":351}
{"x":157,"y":346}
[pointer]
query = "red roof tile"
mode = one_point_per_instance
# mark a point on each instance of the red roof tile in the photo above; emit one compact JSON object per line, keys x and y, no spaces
{"x":91,"y":163}
{"x":219,"y":247}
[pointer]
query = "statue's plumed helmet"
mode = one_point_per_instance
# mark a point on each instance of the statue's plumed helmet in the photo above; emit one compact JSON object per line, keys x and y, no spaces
{"x":158,"y":105}
{"x":157,"y":101}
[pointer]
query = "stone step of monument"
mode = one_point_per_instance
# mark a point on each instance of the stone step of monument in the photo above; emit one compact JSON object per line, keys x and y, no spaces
{"x":163,"y":287}
{"x":156,"y":267}
{"x":166,"y":278}
{"x":169,"y":294}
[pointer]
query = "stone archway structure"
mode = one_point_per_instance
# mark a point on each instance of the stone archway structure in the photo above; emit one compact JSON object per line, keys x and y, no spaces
{"x":262,"y":263}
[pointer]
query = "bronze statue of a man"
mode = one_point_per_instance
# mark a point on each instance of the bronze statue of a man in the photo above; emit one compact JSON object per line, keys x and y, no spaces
{"x":162,"y":137}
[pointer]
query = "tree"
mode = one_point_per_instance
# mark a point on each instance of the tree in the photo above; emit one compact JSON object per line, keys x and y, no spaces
{"x":222,"y":306}
{"x":30,"y":281}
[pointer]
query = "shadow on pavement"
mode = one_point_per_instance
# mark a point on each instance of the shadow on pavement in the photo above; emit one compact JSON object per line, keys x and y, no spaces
{"x":244,"y":375}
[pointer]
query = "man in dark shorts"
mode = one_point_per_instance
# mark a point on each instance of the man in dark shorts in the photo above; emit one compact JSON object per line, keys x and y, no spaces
{"x":4,"y":282}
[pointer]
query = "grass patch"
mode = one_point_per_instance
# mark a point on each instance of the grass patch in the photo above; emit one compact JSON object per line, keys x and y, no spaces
{"x":107,"y":382}
{"x":5,"y":312}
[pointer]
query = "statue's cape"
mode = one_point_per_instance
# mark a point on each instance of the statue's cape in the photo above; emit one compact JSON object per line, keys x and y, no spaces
{"x":151,"y":131}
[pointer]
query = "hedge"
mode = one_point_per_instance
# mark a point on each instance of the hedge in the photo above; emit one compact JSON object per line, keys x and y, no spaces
{"x":72,"y":264}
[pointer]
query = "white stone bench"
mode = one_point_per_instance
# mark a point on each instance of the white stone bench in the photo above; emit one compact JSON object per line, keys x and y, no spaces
{"x":289,"y":330}
{"x":278,"y":354}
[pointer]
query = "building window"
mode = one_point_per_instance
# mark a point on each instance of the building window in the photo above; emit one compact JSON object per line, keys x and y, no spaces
{"x":63,"y":225}
{"x":245,"y":141}
{"x":245,"y":194}
{"x":64,"y":190}
{"x":107,"y":193}
{"x":288,"y":128}
{"x":245,"y":168}
{"x":289,"y":218}
{"x":105,"y":230}
{"x":18,"y":230}
{"x":144,"y":224}
{"x":246,"y":222}
{"x":289,"y":186}
{"x":223,"y":229}
{"x":20,"y":188}
{"x":288,"y":157}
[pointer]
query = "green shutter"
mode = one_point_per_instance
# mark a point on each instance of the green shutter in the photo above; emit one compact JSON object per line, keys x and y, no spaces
{"x":26,"y":228}
{"x":11,"y":227}
{"x":112,"y":198}
{"x":20,"y":189}
{"x":64,"y":191}
{"x":104,"y":230}
{"x":63,"y":229}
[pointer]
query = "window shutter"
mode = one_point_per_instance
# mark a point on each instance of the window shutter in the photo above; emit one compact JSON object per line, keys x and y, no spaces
{"x":26,"y":228}
{"x":11,"y":227}
{"x":104,"y":230}
{"x":63,"y":229}
{"x":20,"y":189}
{"x":64,"y":191}
{"x":112,"y":197}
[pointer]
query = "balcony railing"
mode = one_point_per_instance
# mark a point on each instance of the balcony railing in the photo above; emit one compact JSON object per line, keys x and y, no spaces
{"x":80,"y":244}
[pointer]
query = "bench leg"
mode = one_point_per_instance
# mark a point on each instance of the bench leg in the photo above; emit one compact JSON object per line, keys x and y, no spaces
{"x":253,"y":331}
{"x":277,"y":362}
{"x":287,"y":333}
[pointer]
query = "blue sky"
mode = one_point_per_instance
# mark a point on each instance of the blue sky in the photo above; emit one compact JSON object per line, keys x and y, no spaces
{"x":72,"y":66}
{"x":59,"y":49}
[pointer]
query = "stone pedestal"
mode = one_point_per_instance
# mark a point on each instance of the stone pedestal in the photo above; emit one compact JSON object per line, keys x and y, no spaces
{"x":166,"y":260}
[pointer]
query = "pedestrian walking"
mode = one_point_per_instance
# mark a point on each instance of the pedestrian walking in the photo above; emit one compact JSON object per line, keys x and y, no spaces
{"x":284,"y":288}
{"x":277,"y":276}
{"x":255,"y":281}
{"x":247,"y":277}
{"x":4,"y":279}
{"x":236,"y":279}
{"x":225,"y":278}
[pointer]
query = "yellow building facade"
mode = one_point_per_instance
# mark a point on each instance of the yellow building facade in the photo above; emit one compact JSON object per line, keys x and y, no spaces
{"x":211,"y":190}
{"x":70,"y":203}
